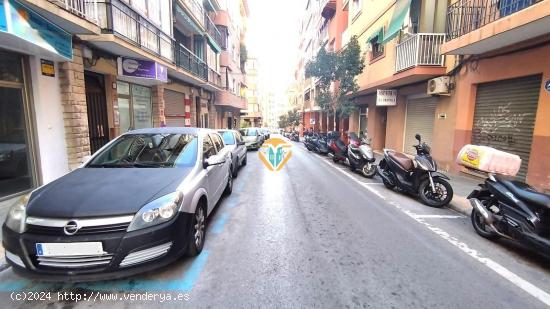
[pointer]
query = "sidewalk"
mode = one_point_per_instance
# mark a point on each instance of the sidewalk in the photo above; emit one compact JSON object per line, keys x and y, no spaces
{"x":462,"y":186}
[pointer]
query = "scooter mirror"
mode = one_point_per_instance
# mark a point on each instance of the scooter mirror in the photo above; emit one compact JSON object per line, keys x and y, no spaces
{"x":418,"y":138}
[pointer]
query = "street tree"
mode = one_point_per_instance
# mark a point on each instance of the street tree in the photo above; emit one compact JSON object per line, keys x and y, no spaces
{"x":337,"y":68}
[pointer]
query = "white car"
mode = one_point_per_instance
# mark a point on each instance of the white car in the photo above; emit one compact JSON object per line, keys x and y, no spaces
{"x":235,"y":143}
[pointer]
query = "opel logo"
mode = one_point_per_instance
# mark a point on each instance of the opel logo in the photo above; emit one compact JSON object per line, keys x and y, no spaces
{"x":71,"y":228}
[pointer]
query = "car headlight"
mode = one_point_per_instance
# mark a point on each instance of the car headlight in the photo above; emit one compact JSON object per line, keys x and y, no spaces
{"x":17,"y":215}
{"x":156,"y":212}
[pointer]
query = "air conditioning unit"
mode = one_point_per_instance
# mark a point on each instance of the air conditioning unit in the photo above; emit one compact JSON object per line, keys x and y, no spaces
{"x":439,"y":86}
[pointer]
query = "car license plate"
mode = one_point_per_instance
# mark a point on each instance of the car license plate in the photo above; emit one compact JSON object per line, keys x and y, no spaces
{"x":69,"y":249}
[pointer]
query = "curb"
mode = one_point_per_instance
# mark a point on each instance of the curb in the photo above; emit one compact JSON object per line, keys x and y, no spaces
{"x":460,"y":204}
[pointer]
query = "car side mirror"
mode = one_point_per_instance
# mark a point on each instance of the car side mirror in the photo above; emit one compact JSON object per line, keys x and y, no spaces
{"x":418,"y":137}
{"x":213,"y":160}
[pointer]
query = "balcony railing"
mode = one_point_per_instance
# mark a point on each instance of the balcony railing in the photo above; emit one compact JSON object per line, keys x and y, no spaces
{"x":188,"y":61}
{"x":214,"y":77}
{"x":421,"y":49}
{"x":465,"y":16}
{"x":86,"y":9}
{"x":213,"y":31}
{"x":131,"y":26}
{"x":196,"y":9}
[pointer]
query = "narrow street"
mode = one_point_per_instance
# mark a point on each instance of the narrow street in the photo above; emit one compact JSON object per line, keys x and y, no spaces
{"x":317,"y":235}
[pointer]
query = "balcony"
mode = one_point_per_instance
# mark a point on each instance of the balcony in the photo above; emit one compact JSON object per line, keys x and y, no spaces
{"x":86,"y":9}
{"x":196,"y":10}
{"x":214,"y":33}
{"x":422,"y":49}
{"x":132,"y":27}
{"x":478,"y":26}
{"x":329,"y":8}
{"x":188,"y":61}
{"x":214,"y":77}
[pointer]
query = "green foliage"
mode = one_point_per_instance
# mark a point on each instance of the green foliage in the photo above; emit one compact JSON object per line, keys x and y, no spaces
{"x":337,"y":67}
{"x":243,"y":56}
{"x":245,"y":124}
{"x":290,"y":119}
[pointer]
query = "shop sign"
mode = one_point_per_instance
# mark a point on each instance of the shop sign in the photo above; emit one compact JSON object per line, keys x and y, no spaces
{"x":47,"y":67}
{"x":547,"y":85}
{"x":312,"y":121}
{"x":26,"y":24}
{"x":140,"y":68}
{"x":386,"y":97}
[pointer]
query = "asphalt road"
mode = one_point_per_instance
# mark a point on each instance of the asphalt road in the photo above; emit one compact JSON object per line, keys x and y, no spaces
{"x":316,"y":235}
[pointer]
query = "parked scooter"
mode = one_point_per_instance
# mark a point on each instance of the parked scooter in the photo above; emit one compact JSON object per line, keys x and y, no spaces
{"x":309,"y":139}
{"x":503,"y":207}
{"x":416,"y":176}
{"x":337,"y":149}
{"x":319,"y":143}
{"x":361,"y":156}
{"x":294,"y":136}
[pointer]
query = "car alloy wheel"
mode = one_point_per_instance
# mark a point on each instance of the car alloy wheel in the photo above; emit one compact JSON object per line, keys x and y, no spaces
{"x":198,"y":231}
{"x":229,"y":186}
{"x":199,"y":227}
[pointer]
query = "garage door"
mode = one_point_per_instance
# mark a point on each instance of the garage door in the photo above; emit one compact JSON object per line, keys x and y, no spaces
{"x":504,"y":116}
{"x":420,"y":119}
{"x":174,"y":108}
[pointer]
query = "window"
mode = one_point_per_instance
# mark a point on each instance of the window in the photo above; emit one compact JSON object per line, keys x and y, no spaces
{"x":217,"y":141}
{"x":228,"y":138}
{"x":377,"y":48}
{"x":149,"y":150}
{"x":356,"y":7}
{"x":208,"y":148}
{"x":134,"y":107}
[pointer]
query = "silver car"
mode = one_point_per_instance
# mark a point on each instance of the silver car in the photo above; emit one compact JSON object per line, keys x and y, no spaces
{"x":235,"y":143}
{"x":139,"y":203}
{"x":253,"y":137}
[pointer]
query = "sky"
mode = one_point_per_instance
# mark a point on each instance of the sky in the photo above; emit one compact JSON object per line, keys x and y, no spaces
{"x":272,"y":37}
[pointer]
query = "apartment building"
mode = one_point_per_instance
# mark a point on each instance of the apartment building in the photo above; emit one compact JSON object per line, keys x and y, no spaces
{"x":252,"y":116}
{"x":74,"y":74}
{"x":457,"y":72}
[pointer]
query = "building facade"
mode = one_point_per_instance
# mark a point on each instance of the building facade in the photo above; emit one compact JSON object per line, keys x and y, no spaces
{"x":76,"y":74}
{"x":252,"y":116}
{"x":457,"y":72}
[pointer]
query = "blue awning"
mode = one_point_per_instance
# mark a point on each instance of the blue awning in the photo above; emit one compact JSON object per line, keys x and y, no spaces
{"x":402,"y":8}
{"x":378,"y":35}
{"x":213,"y":44}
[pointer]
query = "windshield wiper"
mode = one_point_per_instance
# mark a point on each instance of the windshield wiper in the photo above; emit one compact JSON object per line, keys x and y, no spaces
{"x":111,"y":165}
{"x":156,"y":164}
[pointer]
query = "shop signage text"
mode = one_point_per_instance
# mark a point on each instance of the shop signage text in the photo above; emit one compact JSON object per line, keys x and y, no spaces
{"x":140,"y":68}
{"x":47,"y":67}
{"x":24,"y":23}
{"x":386,"y":97}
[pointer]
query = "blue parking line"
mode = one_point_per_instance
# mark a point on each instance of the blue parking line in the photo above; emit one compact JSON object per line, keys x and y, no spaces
{"x":220,"y":223}
{"x":184,"y":284}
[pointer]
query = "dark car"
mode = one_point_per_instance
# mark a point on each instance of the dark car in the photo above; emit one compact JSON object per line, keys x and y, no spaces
{"x":139,"y":203}
{"x":235,"y":143}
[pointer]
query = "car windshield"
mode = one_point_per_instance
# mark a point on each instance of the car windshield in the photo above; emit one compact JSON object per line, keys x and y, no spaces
{"x":249,"y":132}
{"x":228,"y":137}
{"x":149,"y":150}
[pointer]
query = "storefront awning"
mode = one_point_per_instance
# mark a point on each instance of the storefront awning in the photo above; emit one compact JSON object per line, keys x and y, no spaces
{"x":401,"y":11}
{"x":378,"y":35}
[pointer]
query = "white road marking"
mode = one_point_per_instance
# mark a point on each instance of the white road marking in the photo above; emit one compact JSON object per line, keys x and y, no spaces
{"x":438,"y":217}
{"x":494,"y":266}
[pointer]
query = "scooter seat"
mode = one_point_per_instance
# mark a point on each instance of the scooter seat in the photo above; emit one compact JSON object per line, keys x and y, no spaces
{"x":525,"y":193}
{"x":405,"y":162}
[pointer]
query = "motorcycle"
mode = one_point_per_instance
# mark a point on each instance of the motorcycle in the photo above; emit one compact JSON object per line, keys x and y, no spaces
{"x":361,"y":156}
{"x":503,"y":207}
{"x":294,"y":136}
{"x":319,"y":143}
{"x":337,"y":149}
{"x":416,"y":176}
{"x":309,"y":141}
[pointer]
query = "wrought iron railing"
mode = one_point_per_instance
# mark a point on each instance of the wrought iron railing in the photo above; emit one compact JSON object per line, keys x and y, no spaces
{"x":188,"y":61}
{"x":86,"y":9}
{"x":465,"y":16}
{"x":421,"y":49}
{"x":123,"y":21}
{"x":214,"y":77}
{"x":213,"y":30}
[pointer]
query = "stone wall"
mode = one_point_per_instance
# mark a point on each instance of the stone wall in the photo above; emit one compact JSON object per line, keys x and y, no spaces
{"x":157,"y":96}
{"x":75,"y":115}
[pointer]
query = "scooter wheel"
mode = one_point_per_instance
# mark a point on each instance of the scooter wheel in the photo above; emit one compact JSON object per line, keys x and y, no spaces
{"x":438,"y":199}
{"x":368,"y":172}
{"x":480,"y":227}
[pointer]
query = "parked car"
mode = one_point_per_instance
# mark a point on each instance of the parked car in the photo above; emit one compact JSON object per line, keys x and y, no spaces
{"x":266,"y":133}
{"x":13,"y":156}
{"x":252,"y":138}
{"x":139,"y":203}
{"x":235,"y":142}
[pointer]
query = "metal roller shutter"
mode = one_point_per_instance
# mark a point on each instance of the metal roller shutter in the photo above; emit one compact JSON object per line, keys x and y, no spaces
{"x":504,"y":116}
{"x":420,"y":119}
{"x":174,"y":108}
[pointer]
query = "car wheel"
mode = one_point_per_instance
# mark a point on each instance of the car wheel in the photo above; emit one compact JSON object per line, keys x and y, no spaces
{"x":245,"y":158}
{"x":229,"y":187}
{"x":198,"y":231}
{"x":234,"y":168}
